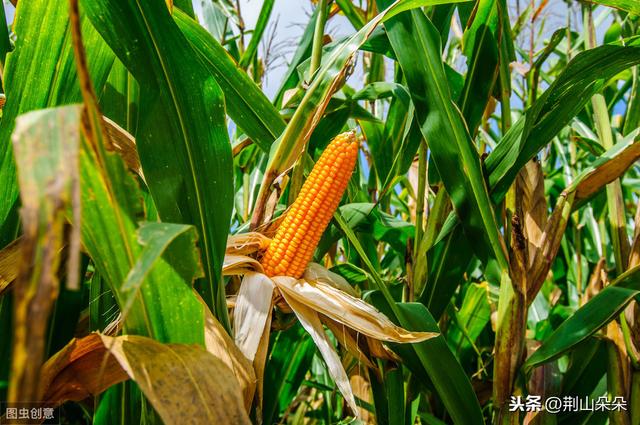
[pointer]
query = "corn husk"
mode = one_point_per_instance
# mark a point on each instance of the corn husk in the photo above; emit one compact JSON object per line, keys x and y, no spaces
{"x":317,"y":273}
{"x":253,"y":308}
{"x":310,"y":321}
{"x":236,"y":264}
{"x":349,"y":340}
{"x":346,"y":309}
{"x":320,"y":296}
{"x":247,"y":243}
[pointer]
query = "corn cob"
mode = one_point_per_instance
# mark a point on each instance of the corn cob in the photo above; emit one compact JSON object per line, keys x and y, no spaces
{"x":298,"y":235}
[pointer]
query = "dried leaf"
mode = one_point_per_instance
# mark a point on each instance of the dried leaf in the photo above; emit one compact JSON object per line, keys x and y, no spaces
{"x":218,"y":342}
{"x":531,"y":205}
{"x":259,"y":364}
{"x":270,"y":227}
{"x":46,"y":151}
{"x":597,"y":281}
{"x":83,"y":368}
{"x":618,"y":369}
{"x":632,"y":315}
{"x":9,"y":264}
{"x":549,"y":244}
{"x":634,"y":252}
{"x":381,"y":351}
{"x":518,"y":256}
{"x":362,"y":389}
{"x":181,"y":381}
{"x":608,"y":167}
{"x":124,"y":144}
{"x":413,"y":176}
{"x":542,"y":381}
{"x":348,"y":339}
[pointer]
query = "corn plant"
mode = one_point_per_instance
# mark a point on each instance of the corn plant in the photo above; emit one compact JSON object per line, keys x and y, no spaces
{"x":434,"y":219}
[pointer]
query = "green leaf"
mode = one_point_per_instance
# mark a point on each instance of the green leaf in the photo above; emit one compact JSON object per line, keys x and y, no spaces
{"x":290,"y":359}
{"x":184,"y":5}
{"x":182,"y":136}
{"x":325,"y":83}
{"x":247,"y":106}
{"x":587,"y":367}
{"x":165,"y":307}
{"x":473,"y":316}
{"x":40,"y":72}
{"x":156,"y":238}
{"x":351,"y":273}
{"x":386,"y":140}
{"x":303,"y":51}
{"x":444,"y":129}
{"x":481,"y":49}
{"x":122,"y":401}
{"x":587,"y":320}
{"x":120,"y":98}
{"x":448,"y":260}
{"x":256,"y":36}
{"x":432,"y":360}
{"x":354,"y":14}
{"x":606,"y":168}
{"x":394,"y":385}
{"x":566,"y":96}
{"x":218,"y":21}
{"x":583,"y":77}
{"x":5,"y":43}
{"x":630,"y":6}
{"x":353,"y":215}
{"x":383,"y":89}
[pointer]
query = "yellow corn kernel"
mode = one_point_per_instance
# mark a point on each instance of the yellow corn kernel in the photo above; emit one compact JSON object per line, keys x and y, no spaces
{"x":298,"y":235}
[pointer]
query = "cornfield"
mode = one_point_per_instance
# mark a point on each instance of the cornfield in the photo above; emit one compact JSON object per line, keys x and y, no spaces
{"x":432,"y":219}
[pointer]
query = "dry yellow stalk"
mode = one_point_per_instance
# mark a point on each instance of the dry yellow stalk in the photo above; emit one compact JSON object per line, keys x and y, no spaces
{"x":296,"y":239}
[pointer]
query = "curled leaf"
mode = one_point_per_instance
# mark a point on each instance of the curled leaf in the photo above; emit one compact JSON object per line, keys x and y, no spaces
{"x":83,"y":368}
{"x":609,"y":166}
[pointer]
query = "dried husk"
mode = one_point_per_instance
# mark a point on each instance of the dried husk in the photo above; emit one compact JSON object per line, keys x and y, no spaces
{"x":253,"y":308}
{"x":346,"y":309}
